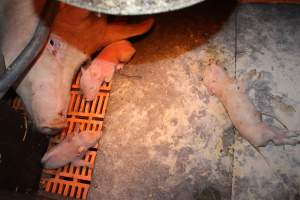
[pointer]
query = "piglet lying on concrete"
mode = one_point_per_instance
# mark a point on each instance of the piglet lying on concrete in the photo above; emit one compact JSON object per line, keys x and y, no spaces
{"x":242,"y":112}
{"x":71,"y":150}
{"x":102,"y":68}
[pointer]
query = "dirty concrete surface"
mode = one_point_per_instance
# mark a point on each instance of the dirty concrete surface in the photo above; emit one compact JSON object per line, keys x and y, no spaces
{"x":165,"y":137}
{"x":268,"y":41}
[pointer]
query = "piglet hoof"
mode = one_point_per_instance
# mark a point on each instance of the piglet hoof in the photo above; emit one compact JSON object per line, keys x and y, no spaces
{"x":82,"y":163}
{"x":88,"y":99}
{"x":286,"y":137}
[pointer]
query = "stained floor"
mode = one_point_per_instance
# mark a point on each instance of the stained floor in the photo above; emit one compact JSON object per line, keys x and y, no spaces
{"x":165,"y":137}
{"x":268,"y":40}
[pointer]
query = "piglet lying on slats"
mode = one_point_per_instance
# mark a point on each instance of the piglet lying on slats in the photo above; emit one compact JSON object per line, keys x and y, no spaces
{"x":71,"y":150}
{"x":102,"y":68}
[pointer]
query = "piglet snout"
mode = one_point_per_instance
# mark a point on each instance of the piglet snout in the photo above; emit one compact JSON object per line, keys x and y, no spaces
{"x":49,"y":130}
{"x":54,"y":126}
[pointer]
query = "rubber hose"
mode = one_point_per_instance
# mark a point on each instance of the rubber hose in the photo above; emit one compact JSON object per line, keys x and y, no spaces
{"x":31,"y":51}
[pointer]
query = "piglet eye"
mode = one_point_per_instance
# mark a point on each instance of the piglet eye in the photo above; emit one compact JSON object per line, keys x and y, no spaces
{"x":54,"y":43}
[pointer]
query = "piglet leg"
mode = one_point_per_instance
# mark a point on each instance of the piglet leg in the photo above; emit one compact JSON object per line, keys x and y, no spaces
{"x":284,"y":136}
{"x":82,"y":163}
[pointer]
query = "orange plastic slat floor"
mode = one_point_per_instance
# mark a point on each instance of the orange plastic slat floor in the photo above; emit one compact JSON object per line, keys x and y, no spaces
{"x":71,"y":181}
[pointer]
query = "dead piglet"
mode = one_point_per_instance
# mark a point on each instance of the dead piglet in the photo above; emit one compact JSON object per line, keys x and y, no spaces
{"x":241,"y":110}
{"x":102,"y":68}
{"x":71,"y":150}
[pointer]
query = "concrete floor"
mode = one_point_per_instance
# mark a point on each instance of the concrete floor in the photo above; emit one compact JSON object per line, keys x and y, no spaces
{"x":268,"y":41}
{"x":165,"y":137}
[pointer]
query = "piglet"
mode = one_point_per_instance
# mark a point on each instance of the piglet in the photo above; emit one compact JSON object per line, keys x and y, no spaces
{"x":241,"y":110}
{"x":75,"y":35}
{"x":102,"y":68}
{"x":71,"y":150}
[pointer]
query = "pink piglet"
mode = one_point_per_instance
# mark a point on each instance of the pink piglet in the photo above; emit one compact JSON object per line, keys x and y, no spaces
{"x":111,"y":58}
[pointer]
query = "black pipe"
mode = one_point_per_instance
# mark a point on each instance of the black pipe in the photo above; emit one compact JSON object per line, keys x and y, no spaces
{"x":31,"y":51}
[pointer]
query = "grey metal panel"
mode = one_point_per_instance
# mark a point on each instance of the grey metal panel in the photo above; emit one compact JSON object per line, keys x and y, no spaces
{"x":132,"y":7}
